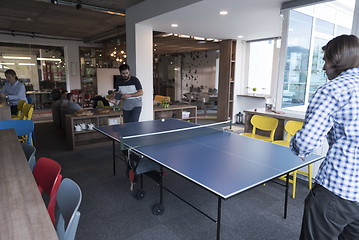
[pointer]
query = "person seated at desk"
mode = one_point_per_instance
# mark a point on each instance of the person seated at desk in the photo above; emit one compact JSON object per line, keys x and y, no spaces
{"x":13,"y":90}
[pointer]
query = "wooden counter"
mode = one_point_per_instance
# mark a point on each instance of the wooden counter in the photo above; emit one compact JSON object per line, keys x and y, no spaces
{"x":88,"y":138}
{"x":5,"y":112}
{"x":176,"y":111}
{"x":282,"y":117}
{"x":23,"y":214}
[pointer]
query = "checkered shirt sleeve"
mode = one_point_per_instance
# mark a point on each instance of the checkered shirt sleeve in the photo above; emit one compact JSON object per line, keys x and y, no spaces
{"x":334,"y":113}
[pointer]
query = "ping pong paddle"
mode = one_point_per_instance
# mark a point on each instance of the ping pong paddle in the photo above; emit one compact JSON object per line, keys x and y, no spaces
{"x":118,"y":96}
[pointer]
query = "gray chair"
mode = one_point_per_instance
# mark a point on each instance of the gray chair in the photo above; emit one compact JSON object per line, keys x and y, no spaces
{"x":68,"y":200}
{"x":29,"y":151}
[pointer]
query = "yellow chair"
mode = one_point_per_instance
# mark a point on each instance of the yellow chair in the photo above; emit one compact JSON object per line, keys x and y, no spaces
{"x":100,"y":104}
{"x":291,"y":127}
{"x":264,"y":123}
{"x":20,"y":105}
{"x":26,"y":113}
{"x":159,"y":98}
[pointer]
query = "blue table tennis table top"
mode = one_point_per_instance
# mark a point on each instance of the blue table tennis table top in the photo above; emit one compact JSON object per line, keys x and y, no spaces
{"x":223,"y":163}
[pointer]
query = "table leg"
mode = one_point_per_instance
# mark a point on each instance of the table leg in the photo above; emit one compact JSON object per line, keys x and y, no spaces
{"x":114,"y":157}
{"x":286,"y":195}
{"x":219,"y":210}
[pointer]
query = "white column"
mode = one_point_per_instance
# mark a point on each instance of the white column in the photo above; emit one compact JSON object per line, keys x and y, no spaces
{"x":144,"y":67}
{"x":72,"y":59}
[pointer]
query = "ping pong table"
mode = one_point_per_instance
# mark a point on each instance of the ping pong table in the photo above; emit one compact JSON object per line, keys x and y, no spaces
{"x":222,"y":162}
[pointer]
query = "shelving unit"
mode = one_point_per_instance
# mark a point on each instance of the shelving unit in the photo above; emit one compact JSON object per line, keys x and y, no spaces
{"x":84,"y":138}
{"x":176,"y":111}
{"x":226,"y":80}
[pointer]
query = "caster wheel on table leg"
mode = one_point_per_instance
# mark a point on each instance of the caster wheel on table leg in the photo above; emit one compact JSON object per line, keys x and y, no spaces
{"x":140,"y":194}
{"x":158,"y":209}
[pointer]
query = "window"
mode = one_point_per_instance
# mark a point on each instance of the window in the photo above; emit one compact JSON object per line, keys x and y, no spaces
{"x":310,"y":28}
{"x":260,"y":56}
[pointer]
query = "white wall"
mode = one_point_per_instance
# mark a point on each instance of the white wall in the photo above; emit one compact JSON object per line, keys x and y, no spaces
{"x":105,"y":79}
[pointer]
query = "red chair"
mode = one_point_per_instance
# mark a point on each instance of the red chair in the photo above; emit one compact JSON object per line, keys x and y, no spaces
{"x":48,"y":178}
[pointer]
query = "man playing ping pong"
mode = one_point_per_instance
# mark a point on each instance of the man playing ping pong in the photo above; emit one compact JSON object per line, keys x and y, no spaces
{"x":331,"y":208}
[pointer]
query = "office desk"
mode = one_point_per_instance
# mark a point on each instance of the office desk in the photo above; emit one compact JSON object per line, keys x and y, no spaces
{"x":39,"y":98}
{"x":23,"y":214}
{"x":282,"y":118}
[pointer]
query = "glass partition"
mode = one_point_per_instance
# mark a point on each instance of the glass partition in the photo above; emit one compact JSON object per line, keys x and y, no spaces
{"x":40,"y":68}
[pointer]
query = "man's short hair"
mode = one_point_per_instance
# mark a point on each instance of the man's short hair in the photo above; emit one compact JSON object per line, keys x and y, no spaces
{"x":123,"y":67}
{"x":110,"y":92}
{"x":342,"y":53}
{"x":69,"y":96}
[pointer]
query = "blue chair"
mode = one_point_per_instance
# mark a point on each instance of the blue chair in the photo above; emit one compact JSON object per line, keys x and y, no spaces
{"x":68,"y":200}
{"x":30,"y":154}
{"x":22,"y":128}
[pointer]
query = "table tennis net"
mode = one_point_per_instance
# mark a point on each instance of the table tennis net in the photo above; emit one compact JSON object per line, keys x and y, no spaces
{"x":175,"y":135}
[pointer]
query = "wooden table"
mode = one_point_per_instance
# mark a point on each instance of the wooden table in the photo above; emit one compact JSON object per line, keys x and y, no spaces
{"x":23,"y":214}
{"x":282,"y":118}
{"x":5,"y":112}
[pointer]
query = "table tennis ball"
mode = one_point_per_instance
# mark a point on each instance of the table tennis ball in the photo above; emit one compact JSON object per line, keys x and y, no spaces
{"x":162,"y":120}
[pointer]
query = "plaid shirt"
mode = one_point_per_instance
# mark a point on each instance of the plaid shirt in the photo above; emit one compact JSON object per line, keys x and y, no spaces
{"x":334,"y":112}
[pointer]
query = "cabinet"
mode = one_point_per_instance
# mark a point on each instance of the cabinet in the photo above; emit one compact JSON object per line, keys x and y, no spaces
{"x":183,"y":112}
{"x":80,"y":139}
{"x":227,"y":63}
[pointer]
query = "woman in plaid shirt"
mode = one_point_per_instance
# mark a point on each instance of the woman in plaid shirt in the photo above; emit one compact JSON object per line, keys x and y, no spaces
{"x":331,"y":208}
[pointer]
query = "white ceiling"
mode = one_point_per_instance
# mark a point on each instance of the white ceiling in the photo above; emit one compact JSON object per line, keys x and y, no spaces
{"x":253,"y":19}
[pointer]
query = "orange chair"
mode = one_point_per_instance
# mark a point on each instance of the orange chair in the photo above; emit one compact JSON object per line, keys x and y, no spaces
{"x":48,"y":178}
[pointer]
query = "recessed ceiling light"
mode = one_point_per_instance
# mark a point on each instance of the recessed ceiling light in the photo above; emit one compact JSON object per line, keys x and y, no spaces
{"x":223,"y":12}
{"x":174,"y":25}
{"x":239,"y":36}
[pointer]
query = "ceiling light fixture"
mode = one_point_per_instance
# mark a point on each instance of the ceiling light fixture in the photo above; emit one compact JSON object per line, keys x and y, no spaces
{"x":239,"y":36}
{"x":199,"y":38}
{"x":7,"y":63}
{"x":174,"y":25}
{"x":49,"y":59}
{"x":13,"y":57}
{"x":223,"y":12}
{"x":27,"y":64}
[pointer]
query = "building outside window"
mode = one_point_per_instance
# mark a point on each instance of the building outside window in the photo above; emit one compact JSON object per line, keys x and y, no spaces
{"x":310,"y":28}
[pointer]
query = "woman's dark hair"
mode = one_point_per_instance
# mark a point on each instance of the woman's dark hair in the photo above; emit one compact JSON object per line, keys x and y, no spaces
{"x":124,"y":67}
{"x":11,"y":72}
{"x":342,"y":53}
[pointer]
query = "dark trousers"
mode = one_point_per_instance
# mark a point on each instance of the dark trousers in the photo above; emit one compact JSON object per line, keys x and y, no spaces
{"x":13,"y":110}
{"x":327,"y":216}
{"x":132,"y":115}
